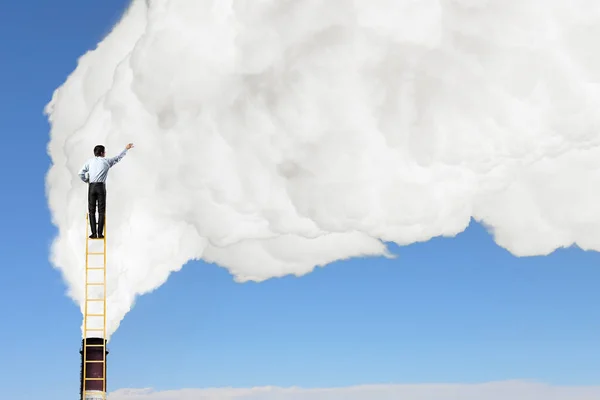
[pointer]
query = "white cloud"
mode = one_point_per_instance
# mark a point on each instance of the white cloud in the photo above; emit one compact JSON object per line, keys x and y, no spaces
{"x":275,"y":136}
{"x":509,"y":390}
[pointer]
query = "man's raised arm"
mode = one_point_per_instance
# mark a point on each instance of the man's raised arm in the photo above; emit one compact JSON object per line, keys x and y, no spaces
{"x":113,"y":160}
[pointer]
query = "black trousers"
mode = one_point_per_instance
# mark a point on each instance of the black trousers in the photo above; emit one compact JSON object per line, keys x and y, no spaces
{"x":97,"y":194}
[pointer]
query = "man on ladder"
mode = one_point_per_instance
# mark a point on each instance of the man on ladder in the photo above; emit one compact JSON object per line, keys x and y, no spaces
{"x":97,"y":170}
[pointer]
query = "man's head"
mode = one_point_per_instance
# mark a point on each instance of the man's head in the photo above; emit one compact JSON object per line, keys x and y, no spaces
{"x":99,"y":151}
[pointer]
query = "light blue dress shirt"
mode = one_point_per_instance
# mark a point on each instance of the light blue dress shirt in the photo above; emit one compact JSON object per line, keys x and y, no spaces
{"x":97,"y":168}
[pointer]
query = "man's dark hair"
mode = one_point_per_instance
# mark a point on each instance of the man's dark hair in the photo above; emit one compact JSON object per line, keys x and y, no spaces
{"x":98,"y":150}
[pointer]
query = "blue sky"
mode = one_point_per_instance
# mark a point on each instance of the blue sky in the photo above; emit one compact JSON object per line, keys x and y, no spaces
{"x":450,"y":310}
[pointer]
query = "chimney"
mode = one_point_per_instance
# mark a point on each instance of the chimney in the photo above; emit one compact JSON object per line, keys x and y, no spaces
{"x":95,"y":388}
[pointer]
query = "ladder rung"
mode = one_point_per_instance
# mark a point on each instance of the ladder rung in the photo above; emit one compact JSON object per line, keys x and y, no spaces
{"x":95,"y":283}
{"x":94,"y":299}
{"x":95,"y":268}
{"x":94,"y":361}
{"x":95,"y":253}
{"x":94,"y":345}
{"x":94,"y":329}
{"x":94,"y":379}
{"x":95,"y":315}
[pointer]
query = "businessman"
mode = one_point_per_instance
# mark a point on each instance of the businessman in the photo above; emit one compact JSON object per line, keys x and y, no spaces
{"x":97,"y":170}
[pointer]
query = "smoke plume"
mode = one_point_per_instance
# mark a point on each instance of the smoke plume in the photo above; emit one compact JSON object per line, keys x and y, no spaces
{"x":275,"y":136}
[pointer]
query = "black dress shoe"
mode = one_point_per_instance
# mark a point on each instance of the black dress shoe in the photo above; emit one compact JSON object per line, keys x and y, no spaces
{"x":92,"y":236}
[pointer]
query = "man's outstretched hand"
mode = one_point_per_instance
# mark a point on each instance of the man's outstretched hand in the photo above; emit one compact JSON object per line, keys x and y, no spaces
{"x":129,"y":146}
